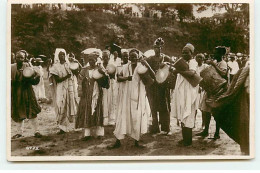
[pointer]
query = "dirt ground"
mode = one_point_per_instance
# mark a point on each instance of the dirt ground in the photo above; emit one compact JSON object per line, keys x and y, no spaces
{"x":70,"y":144}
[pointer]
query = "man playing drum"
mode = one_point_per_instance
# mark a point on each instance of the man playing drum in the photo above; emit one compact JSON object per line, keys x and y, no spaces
{"x":158,"y":95}
{"x":185,"y":95}
{"x":23,"y":101}
{"x":221,"y":68}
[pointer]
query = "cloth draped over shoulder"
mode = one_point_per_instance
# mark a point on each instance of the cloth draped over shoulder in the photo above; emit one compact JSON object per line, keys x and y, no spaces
{"x":23,"y":101}
{"x":133,"y":110}
{"x":65,"y":100}
{"x":185,"y":101}
{"x":90,"y":113}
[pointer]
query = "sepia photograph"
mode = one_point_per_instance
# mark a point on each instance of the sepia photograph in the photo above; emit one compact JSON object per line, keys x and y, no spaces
{"x":130,"y":81}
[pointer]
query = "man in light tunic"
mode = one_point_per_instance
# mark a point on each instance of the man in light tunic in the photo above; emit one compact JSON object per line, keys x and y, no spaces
{"x":185,"y":104}
{"x":65,"y":98}
{"x":109,"y":95}
{"x":133,"y":110}
{"x":233,"y":66}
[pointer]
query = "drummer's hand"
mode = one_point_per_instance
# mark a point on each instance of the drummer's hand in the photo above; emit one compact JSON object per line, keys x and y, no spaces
{"x":143,"y":62}
{"x":161,"y":65}
{"x":129,"y":78}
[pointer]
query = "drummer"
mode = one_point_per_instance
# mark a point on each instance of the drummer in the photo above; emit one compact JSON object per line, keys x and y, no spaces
{"x":23,"y":101}
{"x":90,"y":113}
{"x":134,"y":110}
{"x":110,"y":94}
{"x":158,"y":96}
{"x":185,"y":96}
{"x":221,"y":67}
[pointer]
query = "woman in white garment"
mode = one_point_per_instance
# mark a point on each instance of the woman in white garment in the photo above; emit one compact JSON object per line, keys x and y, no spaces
{"x":39,"y":88}
{"x":185,"y":104}
{"x":64,"y":95}
{"x":133,"y":109}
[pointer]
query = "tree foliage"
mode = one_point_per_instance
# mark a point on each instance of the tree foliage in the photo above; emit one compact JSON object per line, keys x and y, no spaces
{"x":42,"y":30}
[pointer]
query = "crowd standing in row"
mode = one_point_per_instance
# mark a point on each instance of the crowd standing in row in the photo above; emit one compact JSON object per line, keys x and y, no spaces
{"x":132,"y":91}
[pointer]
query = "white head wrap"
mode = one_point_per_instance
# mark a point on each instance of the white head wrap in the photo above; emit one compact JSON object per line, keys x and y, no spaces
{"x":56,"y":56}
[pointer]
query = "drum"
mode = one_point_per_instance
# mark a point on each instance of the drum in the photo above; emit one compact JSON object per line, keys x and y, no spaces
{"x":96,"y":75}
{"x":181,"y":65}
{"x":111,"y":69}
{"x":28,"y":72}
{"x":195,"y":80}
{"x":212,"y":82}
{"x":145,"y":75}
{"x":74,"y":66}
{"x":164,"y":77}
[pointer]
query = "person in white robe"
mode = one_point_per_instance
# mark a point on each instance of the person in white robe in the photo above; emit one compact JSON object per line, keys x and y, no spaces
{"x":109,"y":95}
{"x":39,"y":89}
{"x":65,"y":98}
{"x":185,"y":104}
{"x":133,"y":109}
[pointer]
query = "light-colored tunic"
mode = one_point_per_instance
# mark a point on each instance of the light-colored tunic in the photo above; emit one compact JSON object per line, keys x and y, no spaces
{"x":134,"y":110}
{"x":39,"y":88}
{"x":66,"y":104}
{"x":185,"y":95}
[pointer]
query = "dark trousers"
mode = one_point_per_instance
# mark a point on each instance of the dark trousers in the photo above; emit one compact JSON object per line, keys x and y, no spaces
{"x":159,"y":103}
{"x":164,"y":121}
{"x":186,"y":135}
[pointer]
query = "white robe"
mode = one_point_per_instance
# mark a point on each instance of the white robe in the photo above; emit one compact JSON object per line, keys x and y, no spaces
{"x":134,"y":110}
{"x":39,"y":88}
{"x":185,"y":95}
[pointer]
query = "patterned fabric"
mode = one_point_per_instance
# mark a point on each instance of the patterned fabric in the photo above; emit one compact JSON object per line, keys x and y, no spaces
{"x":90,"y":113}
{"x":23,"y":101}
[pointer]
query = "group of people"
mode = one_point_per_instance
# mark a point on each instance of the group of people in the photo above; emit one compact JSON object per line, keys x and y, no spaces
{"x":107,"y":88}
